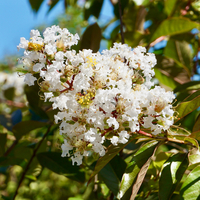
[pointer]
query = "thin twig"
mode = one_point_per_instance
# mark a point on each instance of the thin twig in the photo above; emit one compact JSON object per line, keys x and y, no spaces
{"x":31,"y":159}
{"x":10,"y":148}
{"x":121,"y":22}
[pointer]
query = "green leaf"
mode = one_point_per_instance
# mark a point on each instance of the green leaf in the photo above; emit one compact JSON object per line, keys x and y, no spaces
{"x":186,"y":107}
{"x":140,"y":159}
{"x":190,"y":188}
{"x":54,"y":162}
{"x":180,"y":52}
{"x":3,"y":139}
{"x":35,"y":4}
{"x":108,"y":175}
{"x":111,"y":175}
{"x":112,"y":151}
{"x":169,"y":6}
{"x":165,"y":79}
{"x":25,"y":127}
{"x":91,"y":38}
{"x":10,"y":160}
{"x":192,"y":85}
{"x":9,"y":93}
{"x":196,"y":126}
{"x":53,"y":4}
{"x":93,"y":7}
{"x":171,"y":175}
{"x":173,"y":26}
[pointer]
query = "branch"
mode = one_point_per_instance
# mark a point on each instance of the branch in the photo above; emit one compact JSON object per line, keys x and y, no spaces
{"x":11,"y":147}
{"x":121,"y":23}
{"x":31,"y":159}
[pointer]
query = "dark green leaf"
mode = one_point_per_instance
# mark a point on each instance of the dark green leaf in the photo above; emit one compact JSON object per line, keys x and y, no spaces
{"x":112,"y":151}
{"x":53,"y":4}
{"x":192,"y":85}
{"x":196,"y":126}
{"x":93,"y":7}
{"x":171,"y":175}
{"x":140,"y":158}
{"x":60,"y":165}
{"x":190,"y":188}
{"x":6,"y":161}
{"x":25,"y":127}
{"x":9,"y":93}
{"x":3,"y":139}
{"x":91,"y":38}
{"x":108,"y":175}
{"x":35,"y":4}
{"x":173,"y":26}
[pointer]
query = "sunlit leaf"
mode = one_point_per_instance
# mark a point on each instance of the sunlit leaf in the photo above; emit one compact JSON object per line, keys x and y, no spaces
{"x":60,"y":165}
{"x":180,"y":52}
{"x":169,"y":6}
{"x":173,"y":26}
{"x":171,"y":175}
{"x":190,"y":188}
{"x":165,"y":80}
{"x":140,"y":158}
{"x":186,"y":107}
{"x":196,"y":126}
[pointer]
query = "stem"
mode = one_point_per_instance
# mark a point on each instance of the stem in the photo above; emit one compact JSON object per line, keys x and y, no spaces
{"x":121,"y":23}
{"x":11,"y":147}
{"x":31,"y":159}
{"x":144,"y":133}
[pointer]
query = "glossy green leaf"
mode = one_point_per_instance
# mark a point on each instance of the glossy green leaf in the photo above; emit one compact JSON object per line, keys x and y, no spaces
{"x":192,"y":85}
{"x":171,"y":175}
{"x":112,"y":151}
{"x":140,"y":159}
{"x":186,"y":107}
{"x":173,"y":26}
{"x":169,"y":6}
{"x":60,"y":165}
{"x":25,"y":127}
{"x":111,"y":175}
{"x":190,"y":188}
{"x":35,"y":4}
{"x":180,"y":52}
{"x":91,"y":38}
{"x":196,"y":126}
{"x":108,"y":175}
{"x":9,"y":93}
{"x":165,"y":80}
{"x":3,"y":139}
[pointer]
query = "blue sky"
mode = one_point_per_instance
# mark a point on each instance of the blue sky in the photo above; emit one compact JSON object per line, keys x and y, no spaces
{"x":17,"y":19}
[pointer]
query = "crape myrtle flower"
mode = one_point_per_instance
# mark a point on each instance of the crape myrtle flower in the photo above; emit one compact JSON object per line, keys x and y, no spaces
{"x":100,"y":97}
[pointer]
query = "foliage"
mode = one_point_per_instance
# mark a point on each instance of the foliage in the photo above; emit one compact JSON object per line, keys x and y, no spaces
{"x":145,"y":167}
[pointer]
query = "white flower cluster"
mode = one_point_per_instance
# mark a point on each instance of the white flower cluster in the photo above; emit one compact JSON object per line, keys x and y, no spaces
{"x":101,"y":97}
